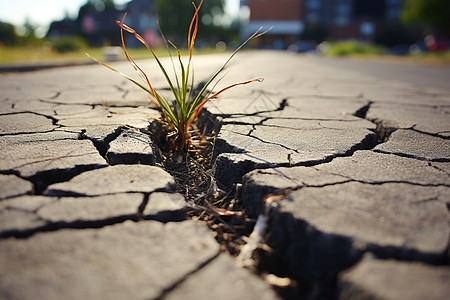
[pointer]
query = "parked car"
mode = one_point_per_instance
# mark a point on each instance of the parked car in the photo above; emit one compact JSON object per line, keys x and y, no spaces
{"x":401,"y":49}
{"x":418,"y":48}
{"x":303,"y":47}
{"x":434,"y":43}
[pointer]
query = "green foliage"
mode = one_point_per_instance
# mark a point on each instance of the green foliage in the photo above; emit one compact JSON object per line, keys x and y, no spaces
{"x":432,"y":12}
{"x":174,"y":16}
{"x":8,"y":36}
{"x":30,"y":30}
{"x":434,"y":57}
{"x":69,"y":44}
{"x":353,"y":48}
{"x":95,"y":6}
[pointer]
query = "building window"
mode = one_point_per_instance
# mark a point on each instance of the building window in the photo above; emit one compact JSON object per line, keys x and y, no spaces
{"x":313,"y":11}
{"x":393,"y":13}
{"x":312,"y":17}
{"x":370,"y":9}
{"x":393,"y":9}
{"x":313,"y":4}
{"x":342,"y":14}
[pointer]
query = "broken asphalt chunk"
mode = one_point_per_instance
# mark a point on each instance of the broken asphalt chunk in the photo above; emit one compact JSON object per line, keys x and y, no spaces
{"x":123,"y":261}
{"x":19,"y":214}
{"x":225,"y":280}
{"x":45,"y":158}
{"x":13,"y":186}
{"x":115,"y":179}
{"x":25,"y":123}
{"x":378,"y":168}
{"x":318,"y":232}
{"x":389,"y":279}
{"x":92,"y":209}
{"x":414,"y":144}
{"x":131,"y":147}
{"x":165,"y":207}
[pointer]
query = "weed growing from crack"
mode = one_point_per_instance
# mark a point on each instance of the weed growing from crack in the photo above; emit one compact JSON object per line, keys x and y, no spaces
{"x":180,"y":112}
{"x":176,"y":134}
{"x":194,"y":175}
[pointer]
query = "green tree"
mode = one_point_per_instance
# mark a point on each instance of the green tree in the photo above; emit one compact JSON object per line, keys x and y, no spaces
{"x":8,"y":36}
{"x":175,"y":15}
{"x":95,"y":6}
{"x":30,"y":30}
{"x":95,"y":22}
{"x":434,"y":13}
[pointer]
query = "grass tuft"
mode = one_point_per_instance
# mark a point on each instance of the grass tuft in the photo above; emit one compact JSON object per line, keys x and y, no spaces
{"x":181,"y":111}
{"x":352,"y":47}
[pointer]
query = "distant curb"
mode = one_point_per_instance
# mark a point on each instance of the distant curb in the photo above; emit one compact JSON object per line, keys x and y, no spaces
{"x":28,"y":67}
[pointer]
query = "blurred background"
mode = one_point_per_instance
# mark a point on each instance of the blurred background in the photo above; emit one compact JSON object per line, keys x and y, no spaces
{"x":36,"y":30}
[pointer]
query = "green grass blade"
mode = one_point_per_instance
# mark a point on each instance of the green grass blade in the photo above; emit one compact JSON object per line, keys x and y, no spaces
{"x":183,"y":89}
{"x":167,"y":111}
{"x":141,"y":39}
{"x":161,"y":101}
{"x":197,"y":100}
{"x":166,"y":43}
{"x":121,"y":74}
{"x":199,"y":107}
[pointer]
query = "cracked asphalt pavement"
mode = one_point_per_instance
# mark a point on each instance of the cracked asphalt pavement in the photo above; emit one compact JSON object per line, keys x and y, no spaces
{"x":362,"y":163}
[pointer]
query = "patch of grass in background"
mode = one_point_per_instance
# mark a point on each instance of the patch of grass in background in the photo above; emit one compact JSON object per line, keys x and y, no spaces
{"x":443,"y":56}
{"x":352,"y":47}
{"x":48,"y":53}
{"x":40,"y":53}
{"x":69,"y":44}
{"x":358,"y":49}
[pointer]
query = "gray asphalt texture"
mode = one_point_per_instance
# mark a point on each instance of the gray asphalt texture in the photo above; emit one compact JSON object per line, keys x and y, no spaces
{"x":346,"y":162}
{"x":420,"y":74}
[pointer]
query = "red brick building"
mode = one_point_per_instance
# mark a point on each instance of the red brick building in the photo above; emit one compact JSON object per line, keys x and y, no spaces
{"x":285,"y":17}
{"x":292,"y":20}
{"x":360,"y":19}
{"x":276,"y":10}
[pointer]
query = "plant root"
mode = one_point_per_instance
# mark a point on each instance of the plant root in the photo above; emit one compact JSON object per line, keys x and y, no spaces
{"x":193,"y":172}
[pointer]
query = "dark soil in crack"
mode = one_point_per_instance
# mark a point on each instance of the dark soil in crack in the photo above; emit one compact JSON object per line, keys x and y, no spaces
{"x":194,"y":172}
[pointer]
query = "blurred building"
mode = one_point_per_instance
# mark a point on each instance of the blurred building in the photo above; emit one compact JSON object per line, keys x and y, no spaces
{"x":98,"y":27}
{"x":141,"y":16}
{"x":344,"y":19}
{"x":318,"y":20}
{"x":64,"y":27}
{"x":284,"y":17}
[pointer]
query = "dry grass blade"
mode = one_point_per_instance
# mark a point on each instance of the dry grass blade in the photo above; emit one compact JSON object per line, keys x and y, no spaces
{"x":183,"y":150}
{"x":181,"y":113}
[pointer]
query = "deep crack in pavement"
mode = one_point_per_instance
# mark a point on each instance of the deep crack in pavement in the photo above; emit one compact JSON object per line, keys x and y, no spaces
{"x":360,"y":164}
